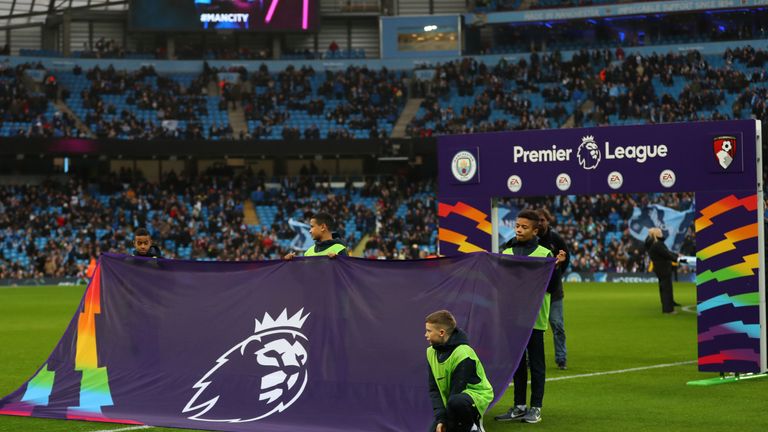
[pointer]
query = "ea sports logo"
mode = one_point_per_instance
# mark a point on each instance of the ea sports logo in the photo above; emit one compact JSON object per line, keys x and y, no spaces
{"x":615,"y":180}
{"x":563,"y":182}
{"x":667,"y":178}
{"x":514,"y":183}
{"x":270,"y":367}
{"x":588,"y":153}
{"x":464,"y":166}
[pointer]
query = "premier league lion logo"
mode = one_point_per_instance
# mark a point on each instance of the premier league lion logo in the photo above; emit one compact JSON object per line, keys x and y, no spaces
{"x":258,"y":377}
{"x":588,"y":153}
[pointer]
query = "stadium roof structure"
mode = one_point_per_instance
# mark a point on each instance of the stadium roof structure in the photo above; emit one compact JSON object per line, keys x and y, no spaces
{"x":25,"y":13}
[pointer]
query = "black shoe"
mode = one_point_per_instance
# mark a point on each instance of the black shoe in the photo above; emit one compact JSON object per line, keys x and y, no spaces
{"x":562,"y":366}
{"x":676,"y":304}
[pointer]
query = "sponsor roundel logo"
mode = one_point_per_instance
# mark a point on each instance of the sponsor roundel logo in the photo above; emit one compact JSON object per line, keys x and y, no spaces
{"x":514,"y":183}
{"x":615,"y":180}
{"x":563,"y":182}
{"x":667,"y":178}
{"x":464,"y":166}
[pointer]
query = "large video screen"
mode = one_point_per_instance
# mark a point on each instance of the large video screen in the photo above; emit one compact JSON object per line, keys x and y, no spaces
{"x":243,"y":15}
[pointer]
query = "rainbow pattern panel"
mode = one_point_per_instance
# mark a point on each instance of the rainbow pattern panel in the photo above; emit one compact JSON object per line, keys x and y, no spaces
{"x":464,"y":227}
{"x":72,"y":384}
{"x":727,"y":279}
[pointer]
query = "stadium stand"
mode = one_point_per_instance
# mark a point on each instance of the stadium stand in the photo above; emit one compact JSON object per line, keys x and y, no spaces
{"x":396,"y":219}
{"x":354,"y":103}
{"x":468,"y":96}
{"x":351,"y":104}
{"x":28,"y":113}
{"x":55,"y":228}
{"x":542,"y":91}
{"x":566,"y":80}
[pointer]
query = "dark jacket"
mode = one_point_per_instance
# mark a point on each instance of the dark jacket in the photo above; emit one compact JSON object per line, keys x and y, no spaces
{"x":552,"y":241}
{"x":527,"y":248}
{"x":661,"y":257}
{"x":153,"y":252}
{"x":465,"y":373}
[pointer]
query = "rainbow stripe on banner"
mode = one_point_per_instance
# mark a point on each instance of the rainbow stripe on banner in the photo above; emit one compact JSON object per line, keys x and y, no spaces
{"x":40,"y":387}
{"x":37,"y":393}
{"x":467,"y":211}
{"x":751,"y":330}
{"x":745,"y":268}
{"x":94,"y":387}
{"x":94,"y":391}
{"x":724,"y":206}
{"x":722,"y":357}
{"x":472,"y":227}
{"x":729,"y":244}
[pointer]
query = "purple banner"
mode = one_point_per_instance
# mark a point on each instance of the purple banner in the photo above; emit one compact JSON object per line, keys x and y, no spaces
{"x":312,"y":344}
{"x":688,"y":157}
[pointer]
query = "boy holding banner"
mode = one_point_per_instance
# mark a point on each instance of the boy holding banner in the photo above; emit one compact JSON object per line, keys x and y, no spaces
{"x":526,"y":243}
{"x":142,"y":242}
{"x":458,"y":387}
{"x":326,"y":243}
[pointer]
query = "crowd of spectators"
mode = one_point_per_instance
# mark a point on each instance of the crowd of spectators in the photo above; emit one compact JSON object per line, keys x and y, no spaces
{"x":593,"y":88}
{"x":507,"y":88}
{"x":628,"y":90}
{"x":202,"y":217}
{"x":406,"y":225}
{"x":53,"y":229}
{"x":597,"y":228}
{"x":539,"y":91}
{"x":355,"y":98}
{"x":144,"y":89}
{"x":339,"y":103}
{"x":27,"y":112}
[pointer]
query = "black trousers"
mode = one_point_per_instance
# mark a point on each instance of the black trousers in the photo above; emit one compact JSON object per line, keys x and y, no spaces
{"x":461,"y":414}
{"x":533,"y":357}
{"x":666,"y":294}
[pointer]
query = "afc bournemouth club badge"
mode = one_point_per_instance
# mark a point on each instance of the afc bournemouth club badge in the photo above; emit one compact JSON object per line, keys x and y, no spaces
{"x":724,"y":148}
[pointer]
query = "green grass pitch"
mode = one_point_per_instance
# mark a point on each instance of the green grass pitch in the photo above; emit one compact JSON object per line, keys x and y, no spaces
{"x":610,"y":327}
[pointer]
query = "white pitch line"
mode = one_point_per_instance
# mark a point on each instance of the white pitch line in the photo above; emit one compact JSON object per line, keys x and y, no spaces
{"x":621,"y":371}
{"x":125,"y":429}
{"x":617,"y":371}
